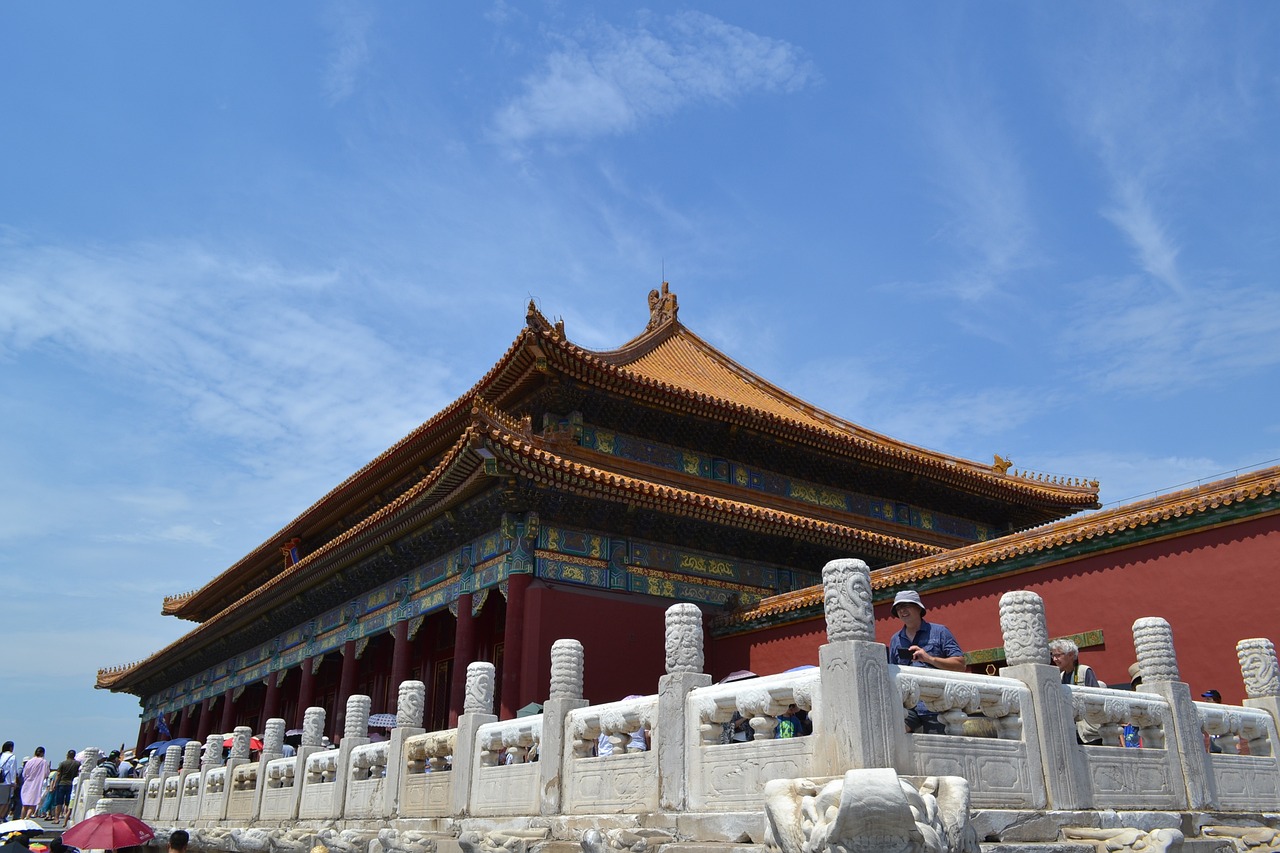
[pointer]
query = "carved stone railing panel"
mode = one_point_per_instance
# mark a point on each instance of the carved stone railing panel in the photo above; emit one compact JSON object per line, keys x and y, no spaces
{"x":426,"y":785}
{"x":623,"y":782}
{"x":505,"y":781}
{"x":729,"y":777}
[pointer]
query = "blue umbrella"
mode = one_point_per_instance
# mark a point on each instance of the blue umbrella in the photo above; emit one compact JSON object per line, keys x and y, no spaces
{"x":161,"y":746}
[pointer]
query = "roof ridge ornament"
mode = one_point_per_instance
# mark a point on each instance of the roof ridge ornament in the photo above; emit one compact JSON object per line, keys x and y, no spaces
{"x":662,"y":307}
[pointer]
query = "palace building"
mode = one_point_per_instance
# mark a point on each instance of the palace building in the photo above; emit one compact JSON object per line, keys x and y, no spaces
{"x":568,"y":493}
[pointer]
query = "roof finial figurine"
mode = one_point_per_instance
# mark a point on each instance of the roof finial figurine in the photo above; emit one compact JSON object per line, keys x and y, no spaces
{"x":1001,"y":464}
{"x":662,"y":307}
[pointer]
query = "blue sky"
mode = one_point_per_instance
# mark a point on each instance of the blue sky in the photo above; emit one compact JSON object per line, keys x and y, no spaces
{"x":246,"y":247}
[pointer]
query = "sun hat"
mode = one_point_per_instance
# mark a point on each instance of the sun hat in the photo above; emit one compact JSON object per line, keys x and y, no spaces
{"x":907,"y":596}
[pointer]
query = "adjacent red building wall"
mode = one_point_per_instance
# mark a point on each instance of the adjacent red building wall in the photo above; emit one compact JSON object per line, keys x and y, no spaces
{"x":1214,"y":586}
{"x":623,"y":640}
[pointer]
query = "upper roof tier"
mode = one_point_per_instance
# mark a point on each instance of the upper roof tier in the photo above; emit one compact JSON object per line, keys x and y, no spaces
{"x":667,"y":366}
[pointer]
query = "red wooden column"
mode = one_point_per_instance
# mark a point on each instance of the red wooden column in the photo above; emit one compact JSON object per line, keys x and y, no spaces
{"x":271,"y":704}
{"x":187,"y":729}
{"x":206,"y":719}
{"x":513,"y":644}
{"x":464,"y":651}
{"x":228,"y":713}
{"x":399,"y":659}
{"x":346,"y":688}
{"x":306,"y":691}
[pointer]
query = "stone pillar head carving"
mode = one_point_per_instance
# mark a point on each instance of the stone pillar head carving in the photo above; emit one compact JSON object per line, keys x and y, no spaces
{"x":411,"y":704}
{"x":240,"y":742}
{"x":684,"y":639}
{"x":357,"y":720}
{"x":97,"y":781}
{"x":1153,"y":641}
{"x":566,"y":669}
{"x":1026,"y":634}
{"x":846,"y":593}
{"x":1259,"y":667}
{"x":313,"y":727}
{"x":212,"y":752}
{"x":92,"y":755}
{"x":172,"y":758}
{"x":479,"y":695}
{"x":273,"y":736}
{"x":191,"y":755}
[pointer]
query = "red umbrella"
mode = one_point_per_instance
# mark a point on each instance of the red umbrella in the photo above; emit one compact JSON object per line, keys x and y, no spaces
{"x":108,"y":832}
{"x":254,"y":743}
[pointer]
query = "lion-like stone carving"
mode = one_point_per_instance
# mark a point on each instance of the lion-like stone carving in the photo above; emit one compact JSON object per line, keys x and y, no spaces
{"x":846,"y":590}
{"x":684,"y":639}
{"x":357,"y":719}
{"x":502,"y":841}
{"x":1258,"y":666}
{"x":631,"y":840}
{"x":1246,"y":839}
{"x":566,"y":669}
{"x":411,"y":704}
{"x":402,"y":841}
{"x":1026,"y":633}
{"x":1126,"y":839}
{"x":869,"y":810}
{"x":313,"y":727}
{"x":479,"y":694}
{"x":1153,"y":641}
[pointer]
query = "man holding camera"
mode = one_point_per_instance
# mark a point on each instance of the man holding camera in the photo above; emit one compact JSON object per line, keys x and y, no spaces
{"x":925,"y":644}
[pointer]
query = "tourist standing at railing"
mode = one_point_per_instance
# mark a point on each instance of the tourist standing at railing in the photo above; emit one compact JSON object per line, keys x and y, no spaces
{"x":8,"y":777}
{"x":67,"y":771}
{"x":1066,"y":657}
{"x":924,"y":644}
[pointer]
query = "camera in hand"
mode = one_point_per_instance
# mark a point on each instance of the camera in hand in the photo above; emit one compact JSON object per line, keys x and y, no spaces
{"x":904,"y":656}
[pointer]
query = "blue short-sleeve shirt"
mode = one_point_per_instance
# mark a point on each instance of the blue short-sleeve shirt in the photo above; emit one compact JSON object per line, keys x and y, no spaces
{"x":937,"y":640}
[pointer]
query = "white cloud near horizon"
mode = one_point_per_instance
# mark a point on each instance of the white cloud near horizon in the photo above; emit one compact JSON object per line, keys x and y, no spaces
{"x":606,"y":80}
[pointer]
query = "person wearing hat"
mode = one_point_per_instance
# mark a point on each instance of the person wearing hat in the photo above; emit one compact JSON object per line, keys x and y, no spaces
{"x":925,"y":644}
{"x":1211,"y":741}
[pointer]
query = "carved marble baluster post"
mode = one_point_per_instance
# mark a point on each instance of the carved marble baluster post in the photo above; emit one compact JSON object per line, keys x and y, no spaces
{"x":1050,"y":729}
{"x":565,"y":696}
{"x":272,"y":748}
{"x":239,"y":755}
{"x":190,"y":765}
{"x":1153,"y":641}
{"x":273,"y":740}
{"x":94,"y":788}
{"x":1261,"y":672}
{"x":92,"y":755}
{"x":684,"y":664}
{"x":212,"y":756}
{"x":355,"y":732}
{"x":860,"y":722}
{"x":410,"y":708}
{"x":477,"y":709}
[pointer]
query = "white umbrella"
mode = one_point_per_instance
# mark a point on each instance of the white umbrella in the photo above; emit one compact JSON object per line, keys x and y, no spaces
{"x":23,"y":825}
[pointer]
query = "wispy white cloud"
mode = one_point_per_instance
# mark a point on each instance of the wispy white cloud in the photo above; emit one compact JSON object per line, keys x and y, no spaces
{"x":1151,"y":103}
{"x":1133,"y":333}
{"x":606,"y":80}
{"x":243,"y":349}
{"x":982,"y":189}
{"x":348,"y":24}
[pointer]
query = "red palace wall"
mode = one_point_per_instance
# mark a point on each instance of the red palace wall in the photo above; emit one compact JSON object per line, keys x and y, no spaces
{"x":623,"y":641}
{"x":1214,"y":586}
